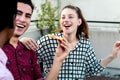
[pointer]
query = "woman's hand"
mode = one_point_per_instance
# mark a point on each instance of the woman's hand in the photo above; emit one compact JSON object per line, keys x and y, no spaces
{"x":62,"y":50}
{"x":116,"y":49}
{"x":29,"y":43}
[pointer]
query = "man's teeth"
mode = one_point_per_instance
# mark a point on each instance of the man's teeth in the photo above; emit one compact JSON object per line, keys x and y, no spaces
{"x":20,"y":26}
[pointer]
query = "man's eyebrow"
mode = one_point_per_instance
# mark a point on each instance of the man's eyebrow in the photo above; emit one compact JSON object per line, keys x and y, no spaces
{"x":19,"y":10}
{"x":26,"y":13}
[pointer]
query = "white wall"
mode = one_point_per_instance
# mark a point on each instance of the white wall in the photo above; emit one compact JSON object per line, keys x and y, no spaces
{"x":103,"y":43}
{"x":105,"y":10}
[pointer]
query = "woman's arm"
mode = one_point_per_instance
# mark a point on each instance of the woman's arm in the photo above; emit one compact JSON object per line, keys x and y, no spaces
{"x":61,"y":53}
{"x":115,"y":54}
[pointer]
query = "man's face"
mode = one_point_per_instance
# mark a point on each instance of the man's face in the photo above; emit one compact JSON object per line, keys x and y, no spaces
{"x":23,"y":18}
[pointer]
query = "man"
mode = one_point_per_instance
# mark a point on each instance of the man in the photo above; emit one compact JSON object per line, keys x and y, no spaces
{"x":23,"y":62}
{"x":7,"y":14}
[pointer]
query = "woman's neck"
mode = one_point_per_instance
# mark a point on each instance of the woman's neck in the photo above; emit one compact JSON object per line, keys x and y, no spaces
{"x":71,"y":38}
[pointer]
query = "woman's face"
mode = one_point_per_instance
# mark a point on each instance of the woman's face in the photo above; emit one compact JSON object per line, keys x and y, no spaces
{"x":69,"y":21}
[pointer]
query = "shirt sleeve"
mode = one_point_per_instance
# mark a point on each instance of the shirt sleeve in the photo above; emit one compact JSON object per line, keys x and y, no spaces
{"x":93,"y":65}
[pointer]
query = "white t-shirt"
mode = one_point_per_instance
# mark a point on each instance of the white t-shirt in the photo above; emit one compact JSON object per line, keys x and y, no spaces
{"x":5,"y":74}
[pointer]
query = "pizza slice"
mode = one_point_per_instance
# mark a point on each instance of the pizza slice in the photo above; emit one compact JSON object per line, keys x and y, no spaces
{"x":55,"y":37}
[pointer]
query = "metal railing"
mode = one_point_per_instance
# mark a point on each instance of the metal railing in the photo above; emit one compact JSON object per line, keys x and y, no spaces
{"x":111,"y":22}
{"x":92,"y":21}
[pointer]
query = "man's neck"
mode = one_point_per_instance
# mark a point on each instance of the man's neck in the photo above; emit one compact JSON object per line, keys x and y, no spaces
{"x":14,"y":41}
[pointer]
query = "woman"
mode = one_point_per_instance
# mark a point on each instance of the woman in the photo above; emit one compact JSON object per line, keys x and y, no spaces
{"x":81,"y":61}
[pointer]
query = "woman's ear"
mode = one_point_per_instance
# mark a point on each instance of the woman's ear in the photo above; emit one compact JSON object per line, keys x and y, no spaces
{"x":79,"y":22}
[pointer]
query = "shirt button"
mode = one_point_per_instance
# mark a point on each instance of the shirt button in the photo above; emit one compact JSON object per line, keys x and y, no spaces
{"x":7,"y":62}
{"x":24,"y":69}
{"x":20,"y":53}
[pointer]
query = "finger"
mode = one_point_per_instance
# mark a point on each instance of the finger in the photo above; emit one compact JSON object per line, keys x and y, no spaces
{"x":59,"y":42}
{"x":65,"y":49}
{"x":65,"y":43}
{"x":31,"y":44}
{"x":65,"y":46}
{"x":64,"y":39}
{"x":34,"y":44}
{"x":28,"y":46}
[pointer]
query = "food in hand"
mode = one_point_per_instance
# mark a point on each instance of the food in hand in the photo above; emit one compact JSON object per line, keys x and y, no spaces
{"x":55,"y":37}
{"x":117,"y":43}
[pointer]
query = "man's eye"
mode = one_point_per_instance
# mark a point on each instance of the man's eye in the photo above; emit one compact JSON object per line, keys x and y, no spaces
{"x":70,"y":17}
{"x":28,"y":16}
{"x":19,"y":12}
